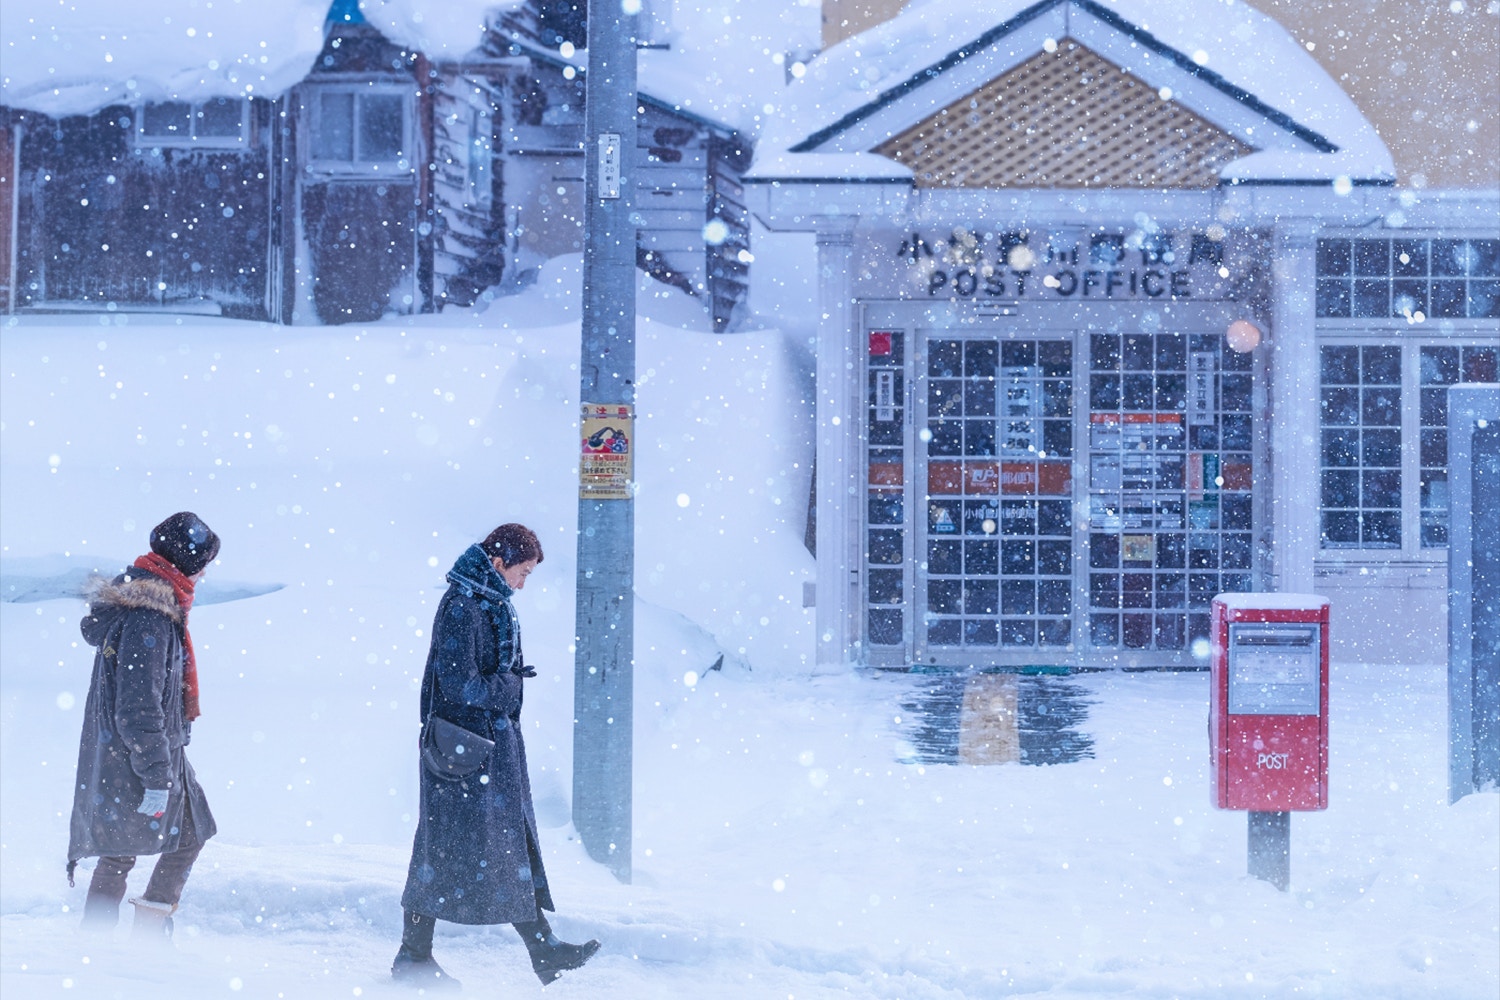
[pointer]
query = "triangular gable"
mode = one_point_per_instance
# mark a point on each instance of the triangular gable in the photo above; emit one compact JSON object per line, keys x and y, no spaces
{"x":1265,"y":111}
{"x":1066,"y":118}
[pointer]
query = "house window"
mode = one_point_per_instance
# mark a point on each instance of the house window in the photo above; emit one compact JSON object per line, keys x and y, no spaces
{"x":360,"y":130}
{"x":219,"y":121}
{"x":1377,"y":493}
{"x":479,"y":166}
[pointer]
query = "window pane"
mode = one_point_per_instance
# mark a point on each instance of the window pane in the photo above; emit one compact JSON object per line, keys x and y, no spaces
{"x":1381,"y":406}
{"x":1479,"y":364}
{"x":1382,"y":531}
{"x":1382,"y":488}
{"x":1439,"y":365}
{"x":1448,"y":299}
{"x":1408,"y":297}
{"x":1435,"y":447}
{"x":1340,"y":407}
{"x":1341,"y":448}
{"x":1372,"y":297}
{"x":1334,"y":257}
{"x":1484,"y":256}
{"x":1382,"y":448}
{"x":1409,"y":257}
{"x":1450,"y":257}
{"x":1372,"y":257}
{"x":1340,"y":365}
{"x":885,"y":627}
{"x":168,"y":119}
{"x":1381,"y":365}
{"x":1340,"y":489}
{"x":1340,"y":530}
{"x":334,"y":137}
{"x":945,"y":359}
{"x":221,"y":118}
{"x":1484,"y":299}
{"x":1333,"y":298}
{"x":381,"y":127}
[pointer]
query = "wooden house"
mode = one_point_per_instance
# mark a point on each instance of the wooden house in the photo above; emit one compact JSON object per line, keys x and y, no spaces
{"x":384,"y":182}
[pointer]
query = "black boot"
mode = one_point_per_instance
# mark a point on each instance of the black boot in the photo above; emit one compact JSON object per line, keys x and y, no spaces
{"x":414,"y":965}
{"x":551,"y":957}
{"x":101,"y":908}
{"x":101,"y":912}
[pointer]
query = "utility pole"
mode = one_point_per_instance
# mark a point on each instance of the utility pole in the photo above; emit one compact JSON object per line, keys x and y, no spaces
{"x":603,"y":667}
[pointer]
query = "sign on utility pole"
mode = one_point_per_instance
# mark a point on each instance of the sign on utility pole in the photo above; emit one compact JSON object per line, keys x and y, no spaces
{"x":604,"y":643}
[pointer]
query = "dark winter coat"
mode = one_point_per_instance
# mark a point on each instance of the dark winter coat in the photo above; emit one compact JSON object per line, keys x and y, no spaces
{"x":475,"y":859}
{"x":134,"y":731}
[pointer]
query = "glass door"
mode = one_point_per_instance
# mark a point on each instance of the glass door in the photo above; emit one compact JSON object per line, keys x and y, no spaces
{"x":1170,"y":505}
{"x":994,"y":485}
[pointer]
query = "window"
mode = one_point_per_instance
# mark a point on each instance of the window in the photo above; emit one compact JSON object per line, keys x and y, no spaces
{"x":1361,"y":431}
{"x":1376,"y":494}
{"x":479,"y":146}
{"x":219,"y":121}
{"x":1413,"y":278}
{"x":360,"y":129}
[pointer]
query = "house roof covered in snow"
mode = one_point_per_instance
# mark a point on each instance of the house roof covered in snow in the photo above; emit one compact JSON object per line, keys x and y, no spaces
{"x":723,"y":64}
{"x":1228,"y":63}
{"x":78,"y":56}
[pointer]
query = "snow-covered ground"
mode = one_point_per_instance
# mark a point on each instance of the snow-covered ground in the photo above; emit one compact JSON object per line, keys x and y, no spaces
{"x":787,"y":841}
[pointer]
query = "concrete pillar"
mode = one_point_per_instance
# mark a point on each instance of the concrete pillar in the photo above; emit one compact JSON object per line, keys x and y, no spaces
{"x":837,"y":459}
{"x":1294,"y":409}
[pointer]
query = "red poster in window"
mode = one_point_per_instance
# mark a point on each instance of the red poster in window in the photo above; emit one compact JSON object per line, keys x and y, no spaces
{"x":1032,"y":478}
{"x":1018,"y":477}
{"x":880,"y":344}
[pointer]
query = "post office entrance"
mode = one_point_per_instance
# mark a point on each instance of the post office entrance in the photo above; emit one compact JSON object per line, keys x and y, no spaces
{"x":1061,"y":485}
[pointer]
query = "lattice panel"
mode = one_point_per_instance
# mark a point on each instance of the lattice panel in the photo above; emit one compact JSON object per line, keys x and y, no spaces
{"x":1065,"y":119}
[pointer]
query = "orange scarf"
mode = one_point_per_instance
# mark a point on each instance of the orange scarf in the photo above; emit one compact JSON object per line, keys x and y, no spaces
{"x":182,"y":587}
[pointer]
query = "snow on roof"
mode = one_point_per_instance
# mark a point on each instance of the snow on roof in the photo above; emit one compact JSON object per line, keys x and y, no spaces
{"x":1237,"y":58}
{"x":77,"y":57}
{"x":727,"y":61}
{"x":830,"y":167}
{"x":720,"y":62}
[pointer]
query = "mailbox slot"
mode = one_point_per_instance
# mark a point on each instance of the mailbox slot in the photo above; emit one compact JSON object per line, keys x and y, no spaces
{"x":1274,"y":668}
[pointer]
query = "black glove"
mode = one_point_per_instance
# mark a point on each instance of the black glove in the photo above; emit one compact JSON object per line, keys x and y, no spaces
{"x":522,"y":670}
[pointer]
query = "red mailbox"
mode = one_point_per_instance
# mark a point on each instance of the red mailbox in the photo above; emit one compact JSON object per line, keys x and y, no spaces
{"x":1268,"y":716}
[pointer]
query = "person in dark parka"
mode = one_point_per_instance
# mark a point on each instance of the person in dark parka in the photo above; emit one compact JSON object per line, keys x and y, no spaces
{"x":135,"y":791}
{"x":475,"y":858}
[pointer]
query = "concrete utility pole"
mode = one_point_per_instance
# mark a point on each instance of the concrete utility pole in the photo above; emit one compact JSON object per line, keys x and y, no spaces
{"x":603,"y":666}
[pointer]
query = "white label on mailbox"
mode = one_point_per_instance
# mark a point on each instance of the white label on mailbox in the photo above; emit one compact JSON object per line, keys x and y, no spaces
{"x":1274,"y":668}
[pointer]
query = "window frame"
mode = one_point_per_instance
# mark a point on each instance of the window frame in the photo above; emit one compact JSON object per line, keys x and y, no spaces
{"x":1410,"y":334}
{"x":480,"y":167}
{"x":402,"y":164}
{"x":1409,"y":422}
{"x":192,"y":140}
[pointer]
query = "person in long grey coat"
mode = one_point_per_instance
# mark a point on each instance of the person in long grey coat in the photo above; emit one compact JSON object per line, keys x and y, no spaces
{"x":135,"y":791}
{"x":475,"y":858}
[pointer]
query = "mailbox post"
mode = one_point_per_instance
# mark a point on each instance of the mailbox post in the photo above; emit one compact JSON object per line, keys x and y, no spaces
{"x":1268,"y":717}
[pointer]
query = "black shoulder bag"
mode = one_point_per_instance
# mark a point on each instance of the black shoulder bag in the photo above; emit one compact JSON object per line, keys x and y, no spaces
{"x":452,"y":752}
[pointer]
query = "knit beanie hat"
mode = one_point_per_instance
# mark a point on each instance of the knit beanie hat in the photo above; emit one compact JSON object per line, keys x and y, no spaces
{"x":185,"y":541}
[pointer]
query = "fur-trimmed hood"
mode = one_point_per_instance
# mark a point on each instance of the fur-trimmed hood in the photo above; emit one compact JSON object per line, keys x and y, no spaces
{"x":134,"y":590}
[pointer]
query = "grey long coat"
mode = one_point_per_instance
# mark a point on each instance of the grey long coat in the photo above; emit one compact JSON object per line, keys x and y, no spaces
{"x":134,"y":730}
{"x":475,"y":858}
